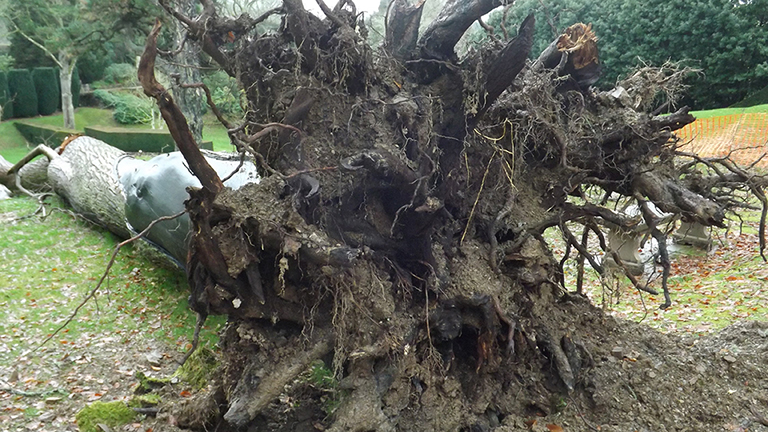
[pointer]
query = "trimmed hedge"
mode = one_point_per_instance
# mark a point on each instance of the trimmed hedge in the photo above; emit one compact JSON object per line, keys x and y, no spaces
{"x":5,"y":97}
{"x":35,"y":134}
{"x":132,"y":140}
{"x":21,"y":88}
{"x":47,"y":86}
{"x":76,"y":86}
{"x":759,"y":97}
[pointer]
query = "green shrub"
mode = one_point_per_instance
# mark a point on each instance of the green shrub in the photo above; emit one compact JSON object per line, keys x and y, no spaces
{"x":92,"y":64}
{"x":128,"y":108}
{"x":225,"y":93}
{"x":757,"y":98}
{"x":6,"y":62}
{"x":22,"y":90}
{"x":48,"y":93}
{"x":134,"y":140}
{"x":5,"y":98}
{"x":43,"y":134}
{"x":120,"y":73}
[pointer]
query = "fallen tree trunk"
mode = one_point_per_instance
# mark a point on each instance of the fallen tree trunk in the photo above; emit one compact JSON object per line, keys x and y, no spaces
{"x":32,"y":176}
{"x":124,"y":195}
{"x":82,"y":171}
{"x":85,"y":176}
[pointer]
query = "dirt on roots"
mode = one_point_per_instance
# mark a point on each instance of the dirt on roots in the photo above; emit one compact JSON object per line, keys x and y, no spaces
{"x":635,"y":379}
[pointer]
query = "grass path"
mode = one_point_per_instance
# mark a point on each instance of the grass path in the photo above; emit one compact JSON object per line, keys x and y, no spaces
{"x":49,"y":265}
{"x":728,"y":111}
{"x":13,"y":146}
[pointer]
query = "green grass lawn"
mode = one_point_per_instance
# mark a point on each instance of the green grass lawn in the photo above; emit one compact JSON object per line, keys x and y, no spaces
{"x":11,"y":139}
{"x":213,"y":131}
{"x":50,"y":264}
{"x":13,"y":146}
{"x":728,"y":111}
{"x":709,"y":290}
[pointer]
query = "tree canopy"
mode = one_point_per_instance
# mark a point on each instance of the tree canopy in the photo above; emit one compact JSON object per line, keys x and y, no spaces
{"x":66,"y":30}
{"x":716,"y":36}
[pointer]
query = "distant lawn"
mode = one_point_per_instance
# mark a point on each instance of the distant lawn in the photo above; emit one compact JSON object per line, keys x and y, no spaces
{"x":215,"y":132}
{"x":13,"y":154}
{"x":13,"y":146}
{"x":728,"y":111}
{"x":12,"y":142}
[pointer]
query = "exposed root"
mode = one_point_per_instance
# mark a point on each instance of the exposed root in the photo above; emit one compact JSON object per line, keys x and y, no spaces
{"x":257,"y":388}
{"x":195,"y":338}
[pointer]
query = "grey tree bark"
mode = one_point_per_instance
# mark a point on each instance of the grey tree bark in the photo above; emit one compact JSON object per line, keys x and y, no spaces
{"x":96,"y":195}
{"x":187,"y":66}
{"x":66,"y":68}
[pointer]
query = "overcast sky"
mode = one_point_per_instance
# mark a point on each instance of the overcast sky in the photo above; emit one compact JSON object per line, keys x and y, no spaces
{"x":362,"y":5}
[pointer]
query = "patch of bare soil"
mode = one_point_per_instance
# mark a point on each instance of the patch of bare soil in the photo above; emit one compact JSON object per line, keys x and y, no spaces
{"x":643,"y":380}
{"x":638,"y":380}
{"x":634,"y":379}
{"x":43,"y":391}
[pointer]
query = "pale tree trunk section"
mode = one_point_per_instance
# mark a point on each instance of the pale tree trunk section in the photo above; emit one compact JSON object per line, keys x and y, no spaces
{"x":66,"y":69}
{"x":97,"y":195}
{"x":32,"y":176}
{"x":82,"y":172}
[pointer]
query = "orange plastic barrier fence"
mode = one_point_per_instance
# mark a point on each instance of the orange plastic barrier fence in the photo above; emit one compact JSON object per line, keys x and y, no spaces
{"x":742,"y":136}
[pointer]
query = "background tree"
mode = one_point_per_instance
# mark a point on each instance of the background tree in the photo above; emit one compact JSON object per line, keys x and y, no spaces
{"x":65,"y":30}
{"x":716,"y":36}
{"x":185,"y":69}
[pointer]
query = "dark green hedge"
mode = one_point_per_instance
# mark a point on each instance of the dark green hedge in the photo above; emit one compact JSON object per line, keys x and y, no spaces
{"x":132,"y":140}
{"x":76,"y":88}
{"x":758,"y":98}
{"x":35,"y":134}
{"x":5,"y":98}
{"x":47,"y":86}
{"x":22,"y":90}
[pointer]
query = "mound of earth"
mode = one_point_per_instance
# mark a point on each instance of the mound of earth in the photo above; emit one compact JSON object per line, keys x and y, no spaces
{"x":636,"y":379}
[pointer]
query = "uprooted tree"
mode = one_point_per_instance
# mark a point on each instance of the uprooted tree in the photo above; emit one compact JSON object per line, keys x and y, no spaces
{"x":397,"y":232}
